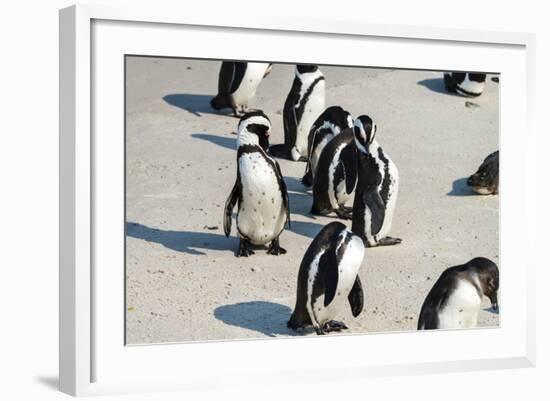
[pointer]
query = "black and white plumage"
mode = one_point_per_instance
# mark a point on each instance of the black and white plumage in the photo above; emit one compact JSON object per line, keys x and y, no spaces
{"x":259,"y":190}
{"x":335,"y":176}
{"x":329,"y":124}
{"x":465,"y":83}
{"x":485,"y":180}
{"x":237,"y":84}
{"x":304,"y":103}
{"x":377,"y":187}
{"x":455,"y":299}
{"x":328,"y":279}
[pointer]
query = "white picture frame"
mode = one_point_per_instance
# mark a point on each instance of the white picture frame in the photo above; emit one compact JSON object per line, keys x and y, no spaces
{"x":93,"y":358}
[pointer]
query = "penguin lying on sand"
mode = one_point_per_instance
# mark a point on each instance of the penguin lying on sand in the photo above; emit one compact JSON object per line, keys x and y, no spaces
{"x":455,"y":299}
{"x":485,"y":179}
{"x":259,"y":191}
{"x":328,"y":278}
{"x":465,"y":83}
{"x":304,"y":103}
{"x":329,"y":124}
{"x":377,"y":187}
{"x":237,"y":84}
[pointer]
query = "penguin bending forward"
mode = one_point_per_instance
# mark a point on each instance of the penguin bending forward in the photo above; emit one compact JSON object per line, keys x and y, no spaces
{"x":237,"y":84}
{"x":304,"y":103}
{"x":335,"y":176}
{"x":329,"y":124}
{"x":485,"y":180}
{"x":455,"y":299}
{"x":259,"y":191}
{"x":465,"y":83}
{"x":377,"y":186}
{"x":328,"y":278}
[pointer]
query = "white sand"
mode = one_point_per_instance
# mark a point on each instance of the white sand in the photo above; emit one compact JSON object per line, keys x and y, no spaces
{"x":183,"y":280}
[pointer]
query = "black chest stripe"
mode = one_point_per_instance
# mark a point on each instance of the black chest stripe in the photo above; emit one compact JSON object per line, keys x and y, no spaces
{"x":301,"y":107}
{"x":384,"y":192}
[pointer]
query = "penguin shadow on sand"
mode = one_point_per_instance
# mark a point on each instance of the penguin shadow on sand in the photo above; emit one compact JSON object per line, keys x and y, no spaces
{"x":193,"y":103}
{"x":224,"y":142}
{"x":268,"y":318}
{"x":436,"y":85}
{"x":460,"y":188}
{"x":182,"y":241}
{"x":299,"y":197}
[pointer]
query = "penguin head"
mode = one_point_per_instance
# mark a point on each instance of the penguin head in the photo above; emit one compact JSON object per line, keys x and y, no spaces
{"x":364,"y":131}
{"x":305,"y":68}
{"x":485,"y":180}
{"x":487,"y":273}
{"x":254,"y":129}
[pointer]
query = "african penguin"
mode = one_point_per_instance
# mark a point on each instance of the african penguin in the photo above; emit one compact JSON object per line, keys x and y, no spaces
{"x":259,"y":191}
{"x":377,"y":186}
{"x":329,"y":124}
{"x":237,"y":84}
{"x":304,"y":103}
{"x":455,"y":299}
{"x":465,"y":83}
{"x":335,"y":176}
{"x":327,"y":279}
{"x":485,"y":180}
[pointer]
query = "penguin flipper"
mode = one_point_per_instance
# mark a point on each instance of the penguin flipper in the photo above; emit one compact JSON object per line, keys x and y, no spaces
{"x":284,"y":192}
{"x":225,"y":81}
{"x":229,"y":205}
{"x":290,"y":121}
{"x":328,"y":269}
{"x":375,"y":204}
{"x":348,"y":157}
{"x":356,"y":298}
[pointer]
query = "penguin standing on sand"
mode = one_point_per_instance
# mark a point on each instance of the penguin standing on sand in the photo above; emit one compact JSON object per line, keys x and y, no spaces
{"x":377,"y":186}
{"x":465,"y":83}
{"x":335,"y":176}
{"x":328,"y":278}
{"x":237,"y":84}
{"x":259,"y":189}
{"x":455,"y":299}
{"x":304,"y":103}
{"x":329,"y":124}
{"x":485,"y":180}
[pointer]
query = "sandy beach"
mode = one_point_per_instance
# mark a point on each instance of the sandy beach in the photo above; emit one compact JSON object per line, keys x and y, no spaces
{"x":184,"y":282}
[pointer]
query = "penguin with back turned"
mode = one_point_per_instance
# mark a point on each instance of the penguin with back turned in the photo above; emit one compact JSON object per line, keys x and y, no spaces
{"x":329,"y":124}
{"x":259,"y":190}
{"x":377,"y":187}
{"x":455,"y":299}
{"x":328,"y":279}
{"x":304,"y":103}
{"x":237,"y":84}
{"x":335,"y":177}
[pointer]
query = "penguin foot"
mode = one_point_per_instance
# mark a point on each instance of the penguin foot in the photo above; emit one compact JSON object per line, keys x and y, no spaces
{"x":320,"y":331}
{"x":389,"y":241}
{"x":334,"y":325}
{"x":275,"y":248}
{"x":345,"y":213}
{"x":244,"y":249}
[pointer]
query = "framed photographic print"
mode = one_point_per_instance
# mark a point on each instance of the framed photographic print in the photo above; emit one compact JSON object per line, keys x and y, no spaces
{"x":228,"y":207}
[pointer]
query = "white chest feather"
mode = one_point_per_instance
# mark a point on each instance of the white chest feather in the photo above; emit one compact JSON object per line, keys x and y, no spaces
{"x":462,"y":308}
{"x":472,"y":87}
{"x":347,"y":272}
{"x":251,"y":79}
{"x":261,"y":215}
